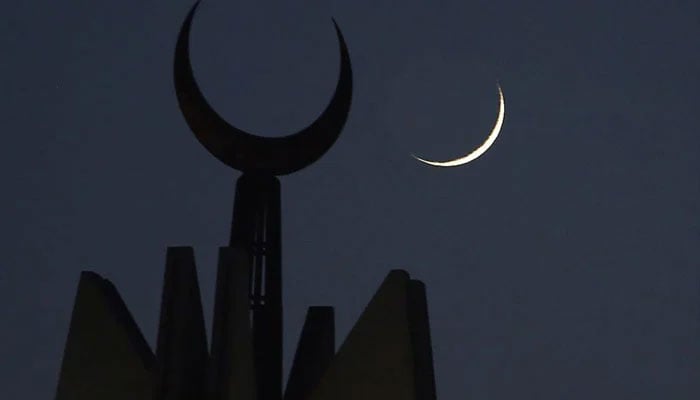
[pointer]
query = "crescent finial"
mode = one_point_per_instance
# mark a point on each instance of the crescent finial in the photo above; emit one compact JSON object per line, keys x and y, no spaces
{"x":251,"y":153}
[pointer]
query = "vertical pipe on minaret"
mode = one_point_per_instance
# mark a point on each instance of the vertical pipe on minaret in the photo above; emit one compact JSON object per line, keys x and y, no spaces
{"x":256,"y":226}
{"x":231,"y":370}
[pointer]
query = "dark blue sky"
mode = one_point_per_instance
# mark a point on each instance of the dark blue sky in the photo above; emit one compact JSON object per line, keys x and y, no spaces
{"x":561,"y":264}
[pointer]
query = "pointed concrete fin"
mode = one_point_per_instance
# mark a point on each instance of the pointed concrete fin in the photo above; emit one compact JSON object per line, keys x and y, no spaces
{"x":231,"y":372}
{"x":314,"y":353}
{"x":420,"y":338}
{"x":182,"y":343}
{"x":377,"y":359}
{"x":106,"y":356}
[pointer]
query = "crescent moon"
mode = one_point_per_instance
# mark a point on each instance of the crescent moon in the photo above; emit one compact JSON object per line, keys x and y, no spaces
{"x":479,"y":150}
{"x":247,"y":152}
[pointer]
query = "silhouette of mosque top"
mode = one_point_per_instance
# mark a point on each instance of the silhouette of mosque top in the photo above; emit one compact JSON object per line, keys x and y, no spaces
{"x":387,"y":355}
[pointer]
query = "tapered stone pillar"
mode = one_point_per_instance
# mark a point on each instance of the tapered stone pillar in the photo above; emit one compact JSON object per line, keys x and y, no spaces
{"x":182,"y":342}
{"x":314,"y":353}
{"x":386,"y":355}
{"x":232,"y":372}
{"x":106,"y":357}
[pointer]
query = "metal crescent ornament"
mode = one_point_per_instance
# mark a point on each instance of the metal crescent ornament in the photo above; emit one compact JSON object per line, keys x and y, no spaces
{"x":251,"y":153}
{"x":490,"y":139}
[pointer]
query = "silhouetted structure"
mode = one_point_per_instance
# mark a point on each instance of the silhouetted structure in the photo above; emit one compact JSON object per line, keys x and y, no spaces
{"x":387,"y":355}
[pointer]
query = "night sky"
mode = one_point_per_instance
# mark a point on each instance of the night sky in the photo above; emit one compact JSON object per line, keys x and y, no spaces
{"x":562,"y":264}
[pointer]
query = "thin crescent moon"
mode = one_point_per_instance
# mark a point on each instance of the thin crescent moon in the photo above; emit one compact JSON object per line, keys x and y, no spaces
{"x":251,"y":153}
{"x":479,"y":150}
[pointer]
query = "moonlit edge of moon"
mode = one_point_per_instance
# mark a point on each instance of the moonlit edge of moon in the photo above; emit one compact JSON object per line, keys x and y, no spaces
{"x":479,"y":150}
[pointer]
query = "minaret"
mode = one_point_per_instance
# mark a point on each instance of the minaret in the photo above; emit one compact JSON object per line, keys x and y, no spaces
{"x":256,"y":225}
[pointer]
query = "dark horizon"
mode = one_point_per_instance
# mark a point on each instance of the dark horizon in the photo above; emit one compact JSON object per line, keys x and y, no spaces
{"x":561,"y":263}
